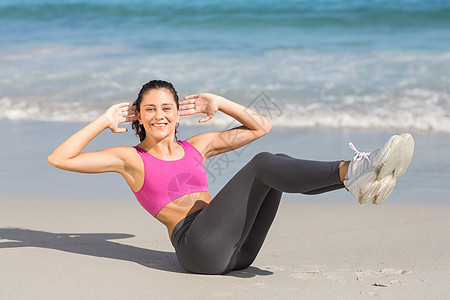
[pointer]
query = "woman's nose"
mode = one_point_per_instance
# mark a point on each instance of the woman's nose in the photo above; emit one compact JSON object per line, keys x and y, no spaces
{"x":159,"y":114}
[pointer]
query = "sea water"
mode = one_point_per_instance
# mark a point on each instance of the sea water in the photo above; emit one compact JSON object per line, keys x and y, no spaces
{"x":319,"y":64}
{"x":325,"y":73}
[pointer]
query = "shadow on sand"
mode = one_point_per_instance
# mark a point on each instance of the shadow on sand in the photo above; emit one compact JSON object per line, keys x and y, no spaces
{"x":100,"y":245}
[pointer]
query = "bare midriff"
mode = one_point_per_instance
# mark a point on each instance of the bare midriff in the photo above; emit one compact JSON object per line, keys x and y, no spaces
{"x":181,"y":207}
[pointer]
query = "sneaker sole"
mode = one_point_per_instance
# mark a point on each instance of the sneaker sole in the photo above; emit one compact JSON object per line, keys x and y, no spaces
{"x":399,"y":157}
{"x":385,"y":187}
{"x":396,"y":163}
{"x":387,"y":172}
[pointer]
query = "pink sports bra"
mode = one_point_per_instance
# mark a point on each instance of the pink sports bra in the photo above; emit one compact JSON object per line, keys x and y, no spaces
{"x":167,"y":180}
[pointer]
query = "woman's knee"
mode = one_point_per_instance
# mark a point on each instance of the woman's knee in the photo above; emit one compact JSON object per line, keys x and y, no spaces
{"x":261,"y":159}
{"x":282,"y":155}
{"x":262,"y":156}
{"x":265,"y":157}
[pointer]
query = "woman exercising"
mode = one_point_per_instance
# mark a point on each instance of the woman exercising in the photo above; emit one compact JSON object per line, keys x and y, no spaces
{"x":225,"y":233}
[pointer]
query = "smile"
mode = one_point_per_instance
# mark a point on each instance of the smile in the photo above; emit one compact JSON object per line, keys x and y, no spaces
{"x":159,"y":125}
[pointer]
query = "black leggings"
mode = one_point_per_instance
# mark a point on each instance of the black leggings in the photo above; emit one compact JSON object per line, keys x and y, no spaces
{"x":228,"y":234}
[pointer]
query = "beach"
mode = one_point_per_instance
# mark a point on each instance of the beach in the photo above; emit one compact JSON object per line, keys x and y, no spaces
{"x":53,"y":249}
{"x":325,"y":74}
{"x":72,"y":236}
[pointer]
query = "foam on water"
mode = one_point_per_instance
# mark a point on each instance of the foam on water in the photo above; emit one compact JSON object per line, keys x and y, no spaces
{"x":378,"y":89}
{"x":338,"y":64}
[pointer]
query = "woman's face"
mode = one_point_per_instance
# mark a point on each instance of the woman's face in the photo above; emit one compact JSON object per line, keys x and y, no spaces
{"x":159,"y":113}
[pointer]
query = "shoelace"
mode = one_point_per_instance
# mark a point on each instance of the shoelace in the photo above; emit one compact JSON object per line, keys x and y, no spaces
{"x":360,"y":155}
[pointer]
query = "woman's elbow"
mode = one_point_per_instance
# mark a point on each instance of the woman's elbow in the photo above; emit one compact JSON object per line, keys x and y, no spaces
{"x":54,"y":161}
{"x":267,"y":126}
{"x":263,"y":129}
{"x":51,"y":160}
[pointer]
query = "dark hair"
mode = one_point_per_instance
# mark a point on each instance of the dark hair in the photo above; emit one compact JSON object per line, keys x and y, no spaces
{"x":152,"y":85}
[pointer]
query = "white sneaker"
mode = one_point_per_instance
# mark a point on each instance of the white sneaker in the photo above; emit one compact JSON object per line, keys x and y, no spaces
{"x":373,"y":175}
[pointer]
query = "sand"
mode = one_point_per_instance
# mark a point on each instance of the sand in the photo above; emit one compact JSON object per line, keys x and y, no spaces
{"x":69,"y":249}
{"x":73,"y":236}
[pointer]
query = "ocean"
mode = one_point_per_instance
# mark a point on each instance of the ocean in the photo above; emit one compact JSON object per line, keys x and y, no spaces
{"x":325,"y":72}
{"x":377,"y":65}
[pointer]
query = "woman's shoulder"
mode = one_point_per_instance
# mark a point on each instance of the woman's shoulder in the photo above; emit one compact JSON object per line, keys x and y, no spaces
{"x":203,"y":142}
{"x":129,"y":155}
{"x":124,"y":149}
{"x":196,"y":140}
{"x":124,"y":152}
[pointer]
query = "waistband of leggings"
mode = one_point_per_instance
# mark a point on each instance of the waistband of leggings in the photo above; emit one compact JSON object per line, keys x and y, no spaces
{"x":182,"y":226}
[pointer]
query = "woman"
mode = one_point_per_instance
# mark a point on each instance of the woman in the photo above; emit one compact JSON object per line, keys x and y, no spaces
{"x":224,"y":233}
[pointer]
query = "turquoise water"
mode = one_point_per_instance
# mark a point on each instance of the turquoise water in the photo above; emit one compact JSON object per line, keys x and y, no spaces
{"x":329,"y":64}
{"x":235,"y":27}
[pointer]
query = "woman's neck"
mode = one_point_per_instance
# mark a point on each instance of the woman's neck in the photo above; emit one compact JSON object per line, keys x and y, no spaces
{"x":164,"y":147}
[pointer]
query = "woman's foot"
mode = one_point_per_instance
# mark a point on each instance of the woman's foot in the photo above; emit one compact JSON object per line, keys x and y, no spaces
{"x":372,"y":176}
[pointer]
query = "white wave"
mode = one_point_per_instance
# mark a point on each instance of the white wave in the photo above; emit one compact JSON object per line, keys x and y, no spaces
{"x":386,"y":90}
{"x":23,"y":110}
{"x":383,"y":118}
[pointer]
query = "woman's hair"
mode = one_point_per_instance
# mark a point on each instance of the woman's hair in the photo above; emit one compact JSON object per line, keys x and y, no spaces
{"x":152,"y":85}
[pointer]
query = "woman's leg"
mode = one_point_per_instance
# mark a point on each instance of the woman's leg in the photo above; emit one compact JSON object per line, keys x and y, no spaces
{"x":343,"y":168}
{"x":246,"y":254}
{"x":229,"y":232}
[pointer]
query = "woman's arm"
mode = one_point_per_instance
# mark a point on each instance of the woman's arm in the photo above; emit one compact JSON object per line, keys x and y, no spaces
{"x":68,"y":156}
{"x":254,"y":125}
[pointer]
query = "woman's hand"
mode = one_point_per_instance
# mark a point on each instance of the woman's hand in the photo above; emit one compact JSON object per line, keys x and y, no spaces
{"x":254,"y":125}
{"x":118,"y":114}
{"x":68,"y":155}
{"x":204,"y":103}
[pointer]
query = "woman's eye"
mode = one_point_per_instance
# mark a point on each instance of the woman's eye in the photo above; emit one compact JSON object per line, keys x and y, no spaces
{"x":166,"y":108}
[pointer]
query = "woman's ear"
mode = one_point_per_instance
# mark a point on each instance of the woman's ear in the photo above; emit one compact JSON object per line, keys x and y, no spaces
{"x":138,"y":117}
